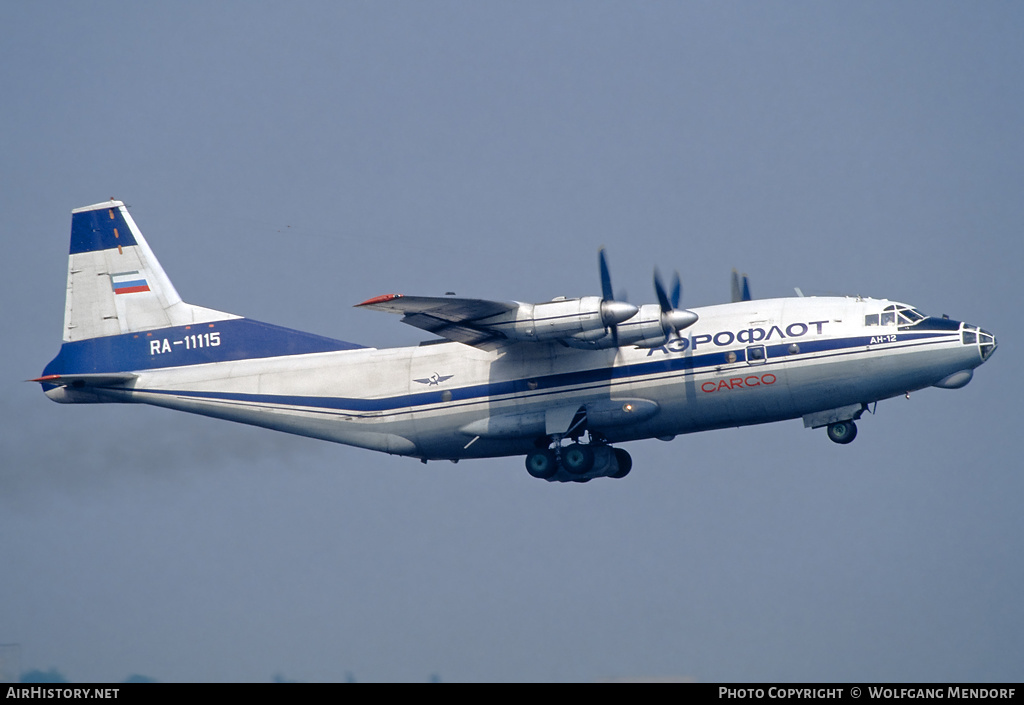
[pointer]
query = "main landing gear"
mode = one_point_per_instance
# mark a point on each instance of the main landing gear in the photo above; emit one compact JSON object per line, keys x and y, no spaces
{"x":578,"y":462}
{"x":842,"y":432}
{"x":839,"y":422}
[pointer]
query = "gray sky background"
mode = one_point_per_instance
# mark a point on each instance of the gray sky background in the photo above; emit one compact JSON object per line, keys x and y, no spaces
{"x":289,"y":160}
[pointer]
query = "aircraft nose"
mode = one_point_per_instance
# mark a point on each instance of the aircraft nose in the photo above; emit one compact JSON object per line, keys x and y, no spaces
{"x":986,"y":342}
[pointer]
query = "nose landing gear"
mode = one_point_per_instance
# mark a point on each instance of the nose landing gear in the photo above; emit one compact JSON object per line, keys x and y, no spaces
{"x":842,"y":432}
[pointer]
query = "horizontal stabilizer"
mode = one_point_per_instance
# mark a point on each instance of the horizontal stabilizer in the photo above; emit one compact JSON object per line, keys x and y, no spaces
{"x":109,"y":379}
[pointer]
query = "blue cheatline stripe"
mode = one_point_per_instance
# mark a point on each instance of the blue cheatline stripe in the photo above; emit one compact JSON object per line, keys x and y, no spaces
{"x":196,"y":344}
{"x":534,"y":386}
{"x":103,"y":229}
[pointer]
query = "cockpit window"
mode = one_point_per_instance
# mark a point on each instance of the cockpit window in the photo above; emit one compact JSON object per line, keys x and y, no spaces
{"x":909,"y":316}
{"x":893,"y":314}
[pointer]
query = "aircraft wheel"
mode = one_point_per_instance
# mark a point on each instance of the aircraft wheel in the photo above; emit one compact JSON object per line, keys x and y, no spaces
{"x":542,"y":464}
{"x":625,"y":463}
{"x":577,"y":459}
{"x":842,"y":432}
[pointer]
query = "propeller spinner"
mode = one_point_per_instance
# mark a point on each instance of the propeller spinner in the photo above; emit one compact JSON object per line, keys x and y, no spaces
{"x":612,"y":312}
{"x":673,"y":318}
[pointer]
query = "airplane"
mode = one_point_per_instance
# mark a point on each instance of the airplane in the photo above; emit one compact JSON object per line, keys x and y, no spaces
{"x":557,"y":382}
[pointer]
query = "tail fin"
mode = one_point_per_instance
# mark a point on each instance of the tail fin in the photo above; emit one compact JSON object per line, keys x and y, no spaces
{"x":122,"y":314}
{"x":115,"y":284}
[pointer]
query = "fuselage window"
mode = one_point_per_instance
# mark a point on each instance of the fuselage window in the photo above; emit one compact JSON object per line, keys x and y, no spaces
{"x":755,"y":354}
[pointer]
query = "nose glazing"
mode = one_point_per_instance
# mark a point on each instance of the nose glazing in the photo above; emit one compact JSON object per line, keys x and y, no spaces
{"x":986,"y":342}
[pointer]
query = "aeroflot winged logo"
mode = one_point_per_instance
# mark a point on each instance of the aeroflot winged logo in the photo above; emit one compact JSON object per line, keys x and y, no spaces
{"x":434,"y":379}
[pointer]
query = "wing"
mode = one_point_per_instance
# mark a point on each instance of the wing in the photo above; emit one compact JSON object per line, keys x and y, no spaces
{"x":451,"y":317}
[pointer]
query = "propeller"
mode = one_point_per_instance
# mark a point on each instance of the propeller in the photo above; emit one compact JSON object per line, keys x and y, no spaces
{"x":672,"y":317}
{"x":612,"y":312}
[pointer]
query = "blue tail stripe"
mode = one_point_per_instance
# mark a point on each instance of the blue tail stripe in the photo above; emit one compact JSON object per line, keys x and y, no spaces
{"x":103,"y":229}
{"x":222,"y":341}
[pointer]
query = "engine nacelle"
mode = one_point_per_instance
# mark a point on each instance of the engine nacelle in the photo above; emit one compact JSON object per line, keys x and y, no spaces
{"x":649,"y":327}
{"x":585,"y":319}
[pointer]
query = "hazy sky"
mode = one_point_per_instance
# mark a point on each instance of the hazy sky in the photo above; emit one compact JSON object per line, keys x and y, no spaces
{"x":289,"y":160}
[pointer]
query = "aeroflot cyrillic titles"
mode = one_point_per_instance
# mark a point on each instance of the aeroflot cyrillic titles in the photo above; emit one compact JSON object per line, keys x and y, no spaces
{"x":557,"y":382}
{"x":726,"y":338}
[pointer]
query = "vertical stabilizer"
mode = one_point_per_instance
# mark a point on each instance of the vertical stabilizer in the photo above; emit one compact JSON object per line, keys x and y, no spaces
{"x":115,"y":284}
{"x":123,"y":315}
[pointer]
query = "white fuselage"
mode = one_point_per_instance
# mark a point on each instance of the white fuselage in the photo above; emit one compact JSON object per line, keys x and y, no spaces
{"x":742,"y":363}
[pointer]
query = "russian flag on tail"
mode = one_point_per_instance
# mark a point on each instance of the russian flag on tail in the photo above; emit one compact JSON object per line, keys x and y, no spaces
{"x":128,"y":282}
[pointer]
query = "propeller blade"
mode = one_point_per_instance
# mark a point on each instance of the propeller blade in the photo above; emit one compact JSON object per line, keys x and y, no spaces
{"x":677,"y":289}
{"x":612,"y":312}
{"x":659,"y":289}
{"x":606,"y":277}
{"x":740,"y":287}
